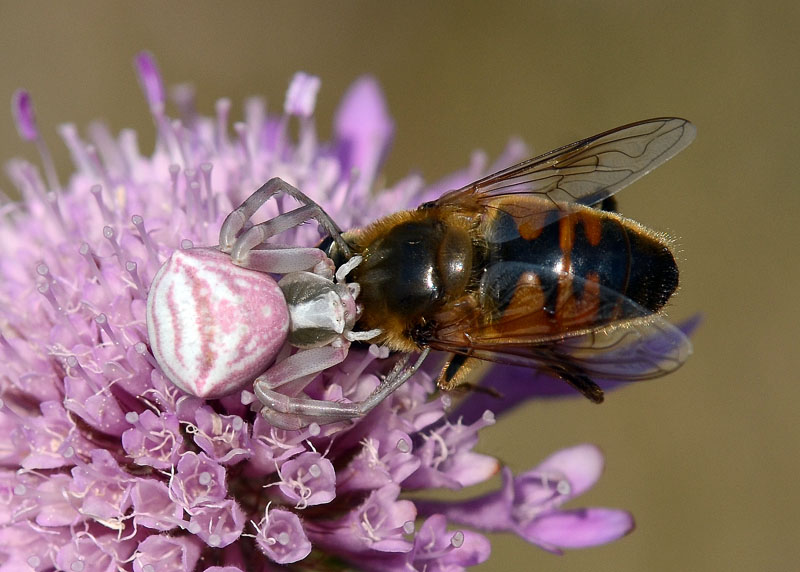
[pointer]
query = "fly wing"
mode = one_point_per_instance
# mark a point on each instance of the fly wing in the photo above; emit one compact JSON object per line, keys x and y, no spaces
{"x":633,"y":352}
{"x":583,"y":323}
{"x":589,"y":170}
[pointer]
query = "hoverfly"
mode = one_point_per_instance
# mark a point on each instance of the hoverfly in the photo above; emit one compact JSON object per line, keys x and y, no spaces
{"x":528,"y":266}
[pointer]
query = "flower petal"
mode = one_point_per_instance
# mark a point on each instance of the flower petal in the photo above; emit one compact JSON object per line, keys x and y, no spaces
{"x":24,"y":116}
{"x":282,"y":538}
{"x":582,"y":465}
{"x":150,"y":79}
{"x":578,"y":528}
{"x":364,"y":129}
{"x":301,"y":98}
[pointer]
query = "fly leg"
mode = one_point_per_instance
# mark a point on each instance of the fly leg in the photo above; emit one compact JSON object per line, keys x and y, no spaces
{"x":292,"y":412}
{"x":243,"y":246}
{"x":577,"y":378}
{"x":456,"y":371}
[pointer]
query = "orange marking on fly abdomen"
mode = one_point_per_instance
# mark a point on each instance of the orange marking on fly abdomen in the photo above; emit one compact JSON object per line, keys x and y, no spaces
{"x":529,"y":229}
{"x":575,"y":312}
{"x":529,"y":213}
{"x":524,"y":315}
{"x":592,"y":226}
{"x":566,"y":240}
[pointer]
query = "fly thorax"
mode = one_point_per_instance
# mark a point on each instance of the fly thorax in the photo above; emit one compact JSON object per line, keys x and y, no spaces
{"x":412,"y":270}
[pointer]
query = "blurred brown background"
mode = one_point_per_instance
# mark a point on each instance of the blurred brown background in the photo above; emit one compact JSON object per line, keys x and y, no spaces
{"x":707,"y":459}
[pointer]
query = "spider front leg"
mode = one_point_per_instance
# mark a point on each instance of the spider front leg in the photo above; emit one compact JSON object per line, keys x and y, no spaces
{"x":292,"y":375}
{"x":291,"y":412}
{"x":243,"y":246}
{"x":322,"y":315}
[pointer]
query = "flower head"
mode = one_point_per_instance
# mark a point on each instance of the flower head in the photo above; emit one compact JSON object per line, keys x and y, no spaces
{"x":108,"y":465}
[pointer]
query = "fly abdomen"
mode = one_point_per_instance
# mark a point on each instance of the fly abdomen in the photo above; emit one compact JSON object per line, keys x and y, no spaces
{"x":574,"y":267}
{"x":654,"y":272}
{"x":620,"y":255}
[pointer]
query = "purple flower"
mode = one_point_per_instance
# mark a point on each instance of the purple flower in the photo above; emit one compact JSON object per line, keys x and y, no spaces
{"x":308,"y":479}
{"x":153,"y":506}
{"x":379,"y":524}
{"x":528,"y":504}
{"x":154,"y":440}
{"x":198,"y":481}
{"x":108,"y":465}
{"x":158,"y":552}
{"x":281,"y":537}
{"x":437,"y":548}
{"x":447,"y":458}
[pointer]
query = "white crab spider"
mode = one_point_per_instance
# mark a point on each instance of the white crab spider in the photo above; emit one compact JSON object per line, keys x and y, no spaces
{"x":322,"y":311}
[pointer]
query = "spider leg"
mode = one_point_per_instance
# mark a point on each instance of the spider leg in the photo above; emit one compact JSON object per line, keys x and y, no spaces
{"x":283,"y":259}
{"x":290,"y":412}
{"x":240,"y":245}
{"x":293,"y":373}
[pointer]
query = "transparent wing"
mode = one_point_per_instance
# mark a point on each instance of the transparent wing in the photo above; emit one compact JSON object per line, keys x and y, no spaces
{"x":595,"y":328}
{"x":634,"y":352}
{"x":589,"y":170}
